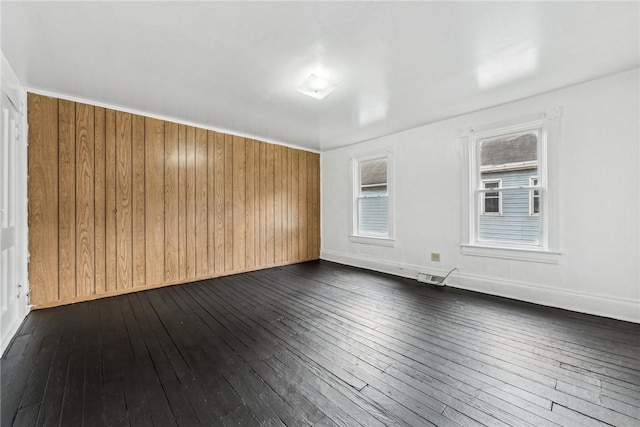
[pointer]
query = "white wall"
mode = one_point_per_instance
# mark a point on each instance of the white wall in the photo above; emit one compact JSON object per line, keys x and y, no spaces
{"x":599,"y":191}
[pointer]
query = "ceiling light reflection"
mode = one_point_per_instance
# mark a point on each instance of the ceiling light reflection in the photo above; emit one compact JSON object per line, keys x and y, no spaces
{"x":508,"y":67}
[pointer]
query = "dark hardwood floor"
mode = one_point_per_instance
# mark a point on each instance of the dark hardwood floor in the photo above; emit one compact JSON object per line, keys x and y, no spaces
{"x":319,"y":344}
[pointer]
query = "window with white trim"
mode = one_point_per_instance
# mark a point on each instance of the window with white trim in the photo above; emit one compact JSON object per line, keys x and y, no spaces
{"x":372,"y":213}
{"x":523,"y":154}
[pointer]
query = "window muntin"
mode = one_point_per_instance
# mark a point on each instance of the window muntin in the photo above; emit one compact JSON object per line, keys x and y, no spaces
{"x":502,"y":168}
{"x":372,"y":198}
{"x":492,"y":200}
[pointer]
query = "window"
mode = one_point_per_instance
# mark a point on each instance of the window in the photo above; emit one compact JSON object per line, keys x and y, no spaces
{"x":510,"y":205}
{"x":372,"y":213}
{"x":534,"y":200}
{"x":492,"y":201}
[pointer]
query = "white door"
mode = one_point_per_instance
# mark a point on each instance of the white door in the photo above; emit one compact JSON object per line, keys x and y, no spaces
{"x":13,"y":206}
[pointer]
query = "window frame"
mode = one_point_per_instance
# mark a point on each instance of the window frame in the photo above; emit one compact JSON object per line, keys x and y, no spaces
{"x":356,"y":236}
{"x":483,"y":209}
{"x":547,"y":249}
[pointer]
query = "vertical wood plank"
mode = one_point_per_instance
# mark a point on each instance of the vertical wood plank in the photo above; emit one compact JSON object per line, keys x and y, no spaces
{"x":211,"y":201}
{"x":228,"y":203}
{"x":258,"y":204}
{"x":43,"y":198}
{"x":302,"y":205}
{"x":191,"y":201}
{"x":67,"y":202}
{"x":85,"y":200}
{"x":138,"y":202}
{"x":270,"y":206}
{"x":100,"y":200}
{"x":277,"y":213}
{"x":219,"y":203}
{"x":171,"y":202}
{"x":154,"y":200}
{"x":263,"y":204}
{"x":123,"y":201}
{"x":250,"y":244}
{"x":316,"y":206}
{"x":182,"y":200}
{"x":239,"y":213}
{"x":284,"y":203}
{"x":202,"y":256}
{"x":295,"y":207}
{"x":308,"y":186}
{"x":110,"y":208}
{"x":286,"y":224}
{"x":310,"y":195}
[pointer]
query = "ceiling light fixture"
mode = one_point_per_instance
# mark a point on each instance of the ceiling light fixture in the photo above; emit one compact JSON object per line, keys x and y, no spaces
{"x":316,"y":87}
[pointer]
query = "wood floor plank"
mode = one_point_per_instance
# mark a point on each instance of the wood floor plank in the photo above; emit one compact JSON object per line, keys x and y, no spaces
{"x":73,"y":398}
{"x":144,"y":369}
{"x":316,"y":344}
{"x":16,"y":370}
{"x":115,"y":353}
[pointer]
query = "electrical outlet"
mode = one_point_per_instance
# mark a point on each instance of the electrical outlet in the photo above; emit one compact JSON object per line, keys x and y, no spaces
{"x":435,"y":257}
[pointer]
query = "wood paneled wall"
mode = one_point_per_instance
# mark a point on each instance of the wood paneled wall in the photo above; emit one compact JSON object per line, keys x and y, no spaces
{"x":120,"y":202}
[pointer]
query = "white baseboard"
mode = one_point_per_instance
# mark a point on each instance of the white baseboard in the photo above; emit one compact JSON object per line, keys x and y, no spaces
{"x":14,"y":328}
{"x":599,"y":305}
{"x":383,"y":266}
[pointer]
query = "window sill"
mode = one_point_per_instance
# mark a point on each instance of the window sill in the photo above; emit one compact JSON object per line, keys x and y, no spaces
{"x":370,"y":240}
{"x":518,"y":254}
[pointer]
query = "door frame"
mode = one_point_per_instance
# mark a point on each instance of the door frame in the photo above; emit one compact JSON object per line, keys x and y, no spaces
{"x":18,"y":97}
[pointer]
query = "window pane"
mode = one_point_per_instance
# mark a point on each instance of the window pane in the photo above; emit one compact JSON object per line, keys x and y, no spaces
{"x":372,"y":216}
{"x":373,"y":200}
{"x":491,"y":205}
{"x":373,"y":172}
{"x":374,"y":190}
{"x":515,"y":223}
{"x":509,"y":150}
{"x":512,"y":159}
{"x":494,"y":184}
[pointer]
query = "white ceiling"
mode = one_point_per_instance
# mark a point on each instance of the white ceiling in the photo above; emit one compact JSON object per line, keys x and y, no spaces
{"x":235,"y":66}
